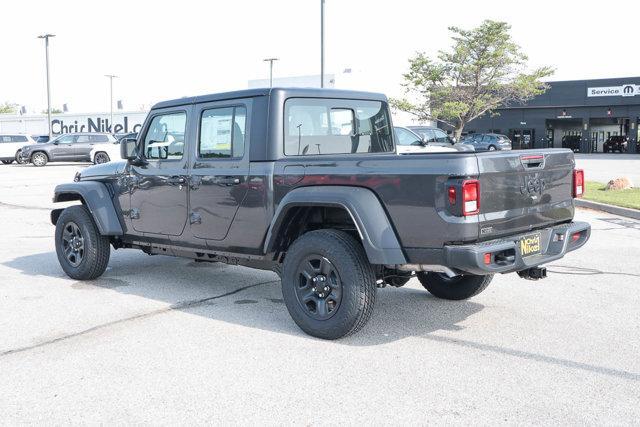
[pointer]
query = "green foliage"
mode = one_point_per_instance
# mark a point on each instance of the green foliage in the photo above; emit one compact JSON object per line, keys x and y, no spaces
{"x":596,"y":192}
{"x":8,"y":108}
{"x":484,"y":69}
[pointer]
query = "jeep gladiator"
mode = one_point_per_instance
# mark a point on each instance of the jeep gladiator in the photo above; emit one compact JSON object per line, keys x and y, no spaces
{"x":308,"y":183}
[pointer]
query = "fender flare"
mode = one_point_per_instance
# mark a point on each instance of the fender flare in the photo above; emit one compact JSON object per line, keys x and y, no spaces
{"x":96,"y":198}
{"x":378,"y":236}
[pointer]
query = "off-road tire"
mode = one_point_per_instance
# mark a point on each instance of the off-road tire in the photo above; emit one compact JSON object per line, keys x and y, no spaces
{"x":356,"y":276}
{"x":96,"y":247}
{"x":39,"y":159}
{"x":7,"y":162}
{"x":455,"y":288}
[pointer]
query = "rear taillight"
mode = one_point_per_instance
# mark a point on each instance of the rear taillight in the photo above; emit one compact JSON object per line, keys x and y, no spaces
{"x":578,"y":182}
{"x":470,"y":197}
{"x":452,"y":195}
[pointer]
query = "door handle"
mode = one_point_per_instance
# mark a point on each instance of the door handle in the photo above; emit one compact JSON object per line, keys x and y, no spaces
{"x":229,"y":180}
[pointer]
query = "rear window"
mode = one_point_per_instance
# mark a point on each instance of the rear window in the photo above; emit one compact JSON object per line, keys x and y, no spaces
{"x":336,"y":126}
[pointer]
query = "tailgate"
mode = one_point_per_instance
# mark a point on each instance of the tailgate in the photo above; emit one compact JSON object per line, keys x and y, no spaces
{"x":524,"y":190}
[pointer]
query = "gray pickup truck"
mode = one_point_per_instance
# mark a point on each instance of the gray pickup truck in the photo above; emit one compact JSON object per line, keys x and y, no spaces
{"x":308,"y":183}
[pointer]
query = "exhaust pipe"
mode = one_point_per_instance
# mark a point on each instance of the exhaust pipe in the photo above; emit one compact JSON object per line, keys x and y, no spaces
{"x":534,"y":273}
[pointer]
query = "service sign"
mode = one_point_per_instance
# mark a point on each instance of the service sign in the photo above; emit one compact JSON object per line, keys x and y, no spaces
{"x":624,"y":90}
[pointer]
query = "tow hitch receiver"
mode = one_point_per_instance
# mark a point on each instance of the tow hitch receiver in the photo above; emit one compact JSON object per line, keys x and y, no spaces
{"x":535,"y":273}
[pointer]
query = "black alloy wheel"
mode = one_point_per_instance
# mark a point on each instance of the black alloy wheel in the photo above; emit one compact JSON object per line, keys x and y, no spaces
{"x":73,"y":243}
{"x":319,"y":289}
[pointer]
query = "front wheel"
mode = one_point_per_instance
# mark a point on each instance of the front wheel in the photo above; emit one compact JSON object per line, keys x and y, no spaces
{"x":19,"y":158}
{"x":492,"y":148}
{"x":454,"y":288}
{"x":39,"y":159}
{"x":328,"y":285}
{"x":83,"y":253}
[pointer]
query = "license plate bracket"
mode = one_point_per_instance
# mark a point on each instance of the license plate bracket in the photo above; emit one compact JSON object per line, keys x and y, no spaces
{"x":530,"y":245}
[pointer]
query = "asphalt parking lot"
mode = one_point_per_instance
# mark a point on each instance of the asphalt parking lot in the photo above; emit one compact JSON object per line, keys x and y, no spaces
{"x":166,"y":340}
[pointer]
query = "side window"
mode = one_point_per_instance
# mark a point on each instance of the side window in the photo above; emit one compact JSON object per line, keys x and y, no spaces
{"x":428,"y":136}
{"x":98,"y":138}
{"x":19,"y":138}
{"x":405,"y":137}
{"x":336,"y":126}
{"x":83,"y":138}
{"x":5,"y":139}
{"x":440,"y":136}
{"x":67,"y":139}
{"x":222,"y":133}
{"x":165,"y":137}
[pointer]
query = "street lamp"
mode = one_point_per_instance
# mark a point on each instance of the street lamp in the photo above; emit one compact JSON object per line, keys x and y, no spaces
{"x":46,"y":50}
{"x":270,"y":61}
{"x":111,"y":77}
{"x":321,"y":43}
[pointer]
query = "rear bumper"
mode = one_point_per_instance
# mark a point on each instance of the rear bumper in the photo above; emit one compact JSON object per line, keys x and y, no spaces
{"x":506,"y":254}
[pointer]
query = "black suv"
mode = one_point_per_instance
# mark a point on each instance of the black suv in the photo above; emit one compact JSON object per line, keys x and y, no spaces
{"x":70,"y":147}
{"x":572,"y":142}
{"x":617,"y":143}
{"x":307,"y":182}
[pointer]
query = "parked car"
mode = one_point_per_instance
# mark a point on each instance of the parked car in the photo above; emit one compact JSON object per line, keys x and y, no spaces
{"x":10,"y":146}
{"x":433,"y":135}
{"x":40,"y":138}
{"x":409,"y":142}
{"x":615,"y":143}
{"x":488,"y":141}
{"x":307,"y":182}
{"x":572,"y":142}
{"x":103,"y":153}
{"x":70,"y":147}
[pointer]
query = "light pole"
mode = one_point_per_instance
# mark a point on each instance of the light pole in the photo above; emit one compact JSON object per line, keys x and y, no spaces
{"x":270,"y":61}
{"x":321,"y":43}
{"x":46,"y":50}
{"x":111,"y":77}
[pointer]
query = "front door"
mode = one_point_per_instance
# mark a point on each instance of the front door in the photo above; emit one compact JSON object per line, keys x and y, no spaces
{"x":63,"y":148}
{"x":220,"y":170}
{"x":159,"y":188}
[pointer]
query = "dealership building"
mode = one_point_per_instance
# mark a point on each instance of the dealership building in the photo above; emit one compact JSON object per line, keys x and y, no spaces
{"x":592,"y":109}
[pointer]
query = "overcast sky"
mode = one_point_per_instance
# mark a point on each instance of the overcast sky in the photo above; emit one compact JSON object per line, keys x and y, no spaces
{"x":169,"y":49}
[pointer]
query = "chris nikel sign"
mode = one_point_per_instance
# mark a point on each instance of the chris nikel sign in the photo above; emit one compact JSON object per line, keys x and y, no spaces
{"x":94,"y":124}
{"x":624,"y":90}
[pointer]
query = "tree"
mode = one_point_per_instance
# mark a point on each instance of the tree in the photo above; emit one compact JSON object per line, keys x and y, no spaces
{"x":8,"y":108}
{"x":483,"y":70}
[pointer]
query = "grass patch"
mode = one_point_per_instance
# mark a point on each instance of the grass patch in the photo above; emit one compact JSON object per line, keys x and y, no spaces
{"x":625,"y":198}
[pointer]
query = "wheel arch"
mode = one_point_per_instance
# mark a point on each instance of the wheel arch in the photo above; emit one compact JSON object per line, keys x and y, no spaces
{"x":39,"y":151}
{"x":363,"y":208}
{"x":96,"y":197}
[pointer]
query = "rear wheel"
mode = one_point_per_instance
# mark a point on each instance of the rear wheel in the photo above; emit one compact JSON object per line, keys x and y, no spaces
{"x":328,"y":285}
{"x":39,"y":159}
{"x":100,"y":158}
{"x":83,"y":253}
{"x":7,"y":162}
{"x":454,"y":288}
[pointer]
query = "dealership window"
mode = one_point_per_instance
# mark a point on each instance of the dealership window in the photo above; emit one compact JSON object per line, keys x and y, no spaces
{"x":165,"y":137}
{"x":222,"y":133}
{"x":336,"y":126}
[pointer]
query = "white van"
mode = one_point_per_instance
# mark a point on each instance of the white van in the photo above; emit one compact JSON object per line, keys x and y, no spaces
{"x":10,"y":146}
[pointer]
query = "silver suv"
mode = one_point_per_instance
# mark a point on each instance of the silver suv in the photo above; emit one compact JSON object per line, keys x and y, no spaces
{"x":70,"y":147}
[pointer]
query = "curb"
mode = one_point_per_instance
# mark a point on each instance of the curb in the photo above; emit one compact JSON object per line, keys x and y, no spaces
{"x":616,"y":210}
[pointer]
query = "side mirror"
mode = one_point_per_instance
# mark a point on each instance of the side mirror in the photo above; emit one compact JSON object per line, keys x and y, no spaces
{"x":128,"y":149}
{"x":56,"y":142}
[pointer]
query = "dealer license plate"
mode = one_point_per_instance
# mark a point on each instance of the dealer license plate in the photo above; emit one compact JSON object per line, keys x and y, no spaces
{"x":530,"y":245}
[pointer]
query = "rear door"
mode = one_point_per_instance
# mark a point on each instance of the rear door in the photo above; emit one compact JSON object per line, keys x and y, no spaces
{"x":219,"y":174}
{"x":82,"y":147}
{"x":521,"y":192}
